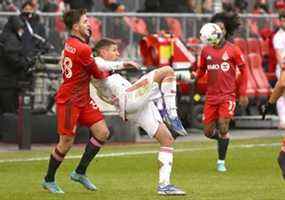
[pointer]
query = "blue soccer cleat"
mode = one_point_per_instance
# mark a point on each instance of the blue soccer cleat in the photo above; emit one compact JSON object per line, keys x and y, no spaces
{"x":169,"y":190}
{"x":52,"y":187}
{"x":83,"y":180}
{"x":175,"y":126}
{"x":221,"y":167}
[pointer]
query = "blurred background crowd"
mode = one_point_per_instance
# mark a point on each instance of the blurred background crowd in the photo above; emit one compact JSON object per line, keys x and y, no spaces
{"x":32,"y":28}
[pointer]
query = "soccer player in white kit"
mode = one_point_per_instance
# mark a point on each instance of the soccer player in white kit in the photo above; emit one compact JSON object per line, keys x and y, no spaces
{"x":279,"y":46}
{"x":278,"y":91}
{"x":135,"y":102}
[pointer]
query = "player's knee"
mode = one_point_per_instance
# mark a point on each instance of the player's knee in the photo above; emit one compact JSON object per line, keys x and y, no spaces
{"x":65,"y":143}
{"x":224,"y":129}
{"x":168,"y":141}
{"x":208,"y":132}
{"x":103,"y":135}
{"x":165,"y":138}
{"x":169,"y":70}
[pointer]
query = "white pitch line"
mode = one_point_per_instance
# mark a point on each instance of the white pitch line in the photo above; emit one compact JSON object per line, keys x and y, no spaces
{"x":120,"y":154}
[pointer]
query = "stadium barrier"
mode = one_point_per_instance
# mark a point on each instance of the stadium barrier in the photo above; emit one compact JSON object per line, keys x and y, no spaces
{"x":127,"y":29}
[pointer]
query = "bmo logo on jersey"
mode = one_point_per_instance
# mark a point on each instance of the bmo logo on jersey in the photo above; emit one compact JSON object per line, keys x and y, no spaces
{"x":224,"y":66}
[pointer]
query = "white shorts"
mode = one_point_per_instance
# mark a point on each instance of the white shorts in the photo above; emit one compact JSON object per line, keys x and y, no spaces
{"x":141,"y":93}
{"x":148,"y":118}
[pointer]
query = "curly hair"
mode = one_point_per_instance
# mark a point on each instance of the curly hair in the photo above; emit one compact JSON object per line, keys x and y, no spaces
{"x":230,"y":20}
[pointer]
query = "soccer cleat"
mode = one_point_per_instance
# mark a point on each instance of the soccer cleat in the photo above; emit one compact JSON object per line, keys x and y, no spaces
{"x":221,"y":167}
{"x":83,"y":180}
{"x":52,"y":187}
{"x":175,"y":126}
{"x":169,"y":190}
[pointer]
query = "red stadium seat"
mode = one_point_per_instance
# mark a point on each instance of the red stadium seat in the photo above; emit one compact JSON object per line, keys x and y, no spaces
{"x":241,"y":43}
{"x":254,"y":46}
{"x":255,"y":64}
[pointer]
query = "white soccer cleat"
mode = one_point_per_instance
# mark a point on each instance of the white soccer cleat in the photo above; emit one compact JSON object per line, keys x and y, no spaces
{"x":170,"y":190}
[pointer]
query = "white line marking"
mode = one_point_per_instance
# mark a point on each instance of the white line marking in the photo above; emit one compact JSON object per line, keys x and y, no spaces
{"x":120,"y":154}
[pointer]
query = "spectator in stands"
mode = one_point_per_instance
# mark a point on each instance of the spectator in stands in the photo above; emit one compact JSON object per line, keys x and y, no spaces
{"x":170,"y":6}
{"x":227,"y":6}
{"x":34,"y":32}
{"x":50,"y":6}
{"x":8,"y":5}
{"x":240,"y":6}
{"x":35,"y":5}
{"x":191,"y":6}
{"x":279,"y":46}
{"x":150,"y":6}
{"x":116,"y":26}
{"x":258,"y":24}
{"x":57,"y":33}
{"x":207,"y":6}
{"x":12,"y":63}
{"x":279,"y":5}
{"x":76,"y":4}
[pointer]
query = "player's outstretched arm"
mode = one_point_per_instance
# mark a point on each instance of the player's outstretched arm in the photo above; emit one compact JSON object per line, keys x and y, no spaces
{"x":107,"y":65}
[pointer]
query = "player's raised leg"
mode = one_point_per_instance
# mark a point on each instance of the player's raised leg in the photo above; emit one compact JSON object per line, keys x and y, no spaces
{"x":165,"y":76}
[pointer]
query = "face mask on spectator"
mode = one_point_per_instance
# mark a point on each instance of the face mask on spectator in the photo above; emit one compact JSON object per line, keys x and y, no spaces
{"x":27,"y":15}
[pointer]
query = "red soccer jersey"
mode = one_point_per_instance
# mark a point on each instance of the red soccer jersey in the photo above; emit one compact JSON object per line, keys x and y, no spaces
{"x":77,"y":66}
{"x":221,"y":65}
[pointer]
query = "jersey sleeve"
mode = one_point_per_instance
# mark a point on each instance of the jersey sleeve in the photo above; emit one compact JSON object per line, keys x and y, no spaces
{"x":88,"y":62}
{"x":239,"y":58}
{"x":240,"y":62}
{"x":202,"y":64}
{"x":108,"y":65}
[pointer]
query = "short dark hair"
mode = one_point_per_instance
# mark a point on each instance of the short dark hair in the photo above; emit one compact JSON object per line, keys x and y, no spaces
{"x":72,"y":17}
{"x":27,"y":3}
{"x":104,"y":42}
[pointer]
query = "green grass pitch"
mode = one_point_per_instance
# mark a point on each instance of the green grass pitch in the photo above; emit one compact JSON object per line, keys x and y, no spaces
{"x":253,"y":173}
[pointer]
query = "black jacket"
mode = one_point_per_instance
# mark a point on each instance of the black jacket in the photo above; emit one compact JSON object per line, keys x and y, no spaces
{"x":12,"y":59}
{"x":31,"y":45}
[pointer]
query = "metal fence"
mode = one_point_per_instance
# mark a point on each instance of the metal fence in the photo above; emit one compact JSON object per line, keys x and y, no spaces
{"x":128,"y":29}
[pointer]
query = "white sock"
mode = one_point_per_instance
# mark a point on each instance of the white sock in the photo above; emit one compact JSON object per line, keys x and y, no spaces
{"x":168,"y":89}
{"x":221,"y":161}
{"x":165,"y":158}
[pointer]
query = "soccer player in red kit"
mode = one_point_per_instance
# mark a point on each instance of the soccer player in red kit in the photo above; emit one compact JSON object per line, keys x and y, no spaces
{"x":73,"y":102}
{"x":221,"y":59}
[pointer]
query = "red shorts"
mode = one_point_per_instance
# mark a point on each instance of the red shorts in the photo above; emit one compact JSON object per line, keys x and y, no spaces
{"x":212,"y":112}
{"x":69,"y":116}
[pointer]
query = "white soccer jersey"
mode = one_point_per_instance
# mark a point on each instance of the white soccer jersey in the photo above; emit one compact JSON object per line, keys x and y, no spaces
{"x":279,"y":44}
{"x":133,"y":100}
{"x":111,"y":89}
